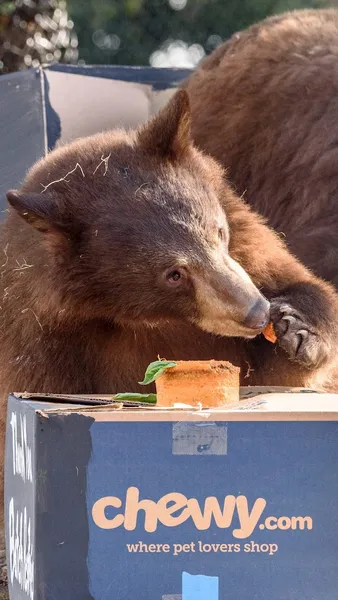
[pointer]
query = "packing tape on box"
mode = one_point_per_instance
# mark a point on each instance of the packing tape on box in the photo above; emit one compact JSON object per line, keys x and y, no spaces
{"x":199,"y":438}
{"x":199,"y":587}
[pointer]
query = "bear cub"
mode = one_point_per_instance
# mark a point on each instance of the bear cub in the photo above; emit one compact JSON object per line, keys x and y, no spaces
{"x":129,"y":245}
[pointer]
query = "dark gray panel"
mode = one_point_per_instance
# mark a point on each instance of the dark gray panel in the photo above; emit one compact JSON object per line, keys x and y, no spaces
{"x":22,"y":138}
{"x":64,"y":444}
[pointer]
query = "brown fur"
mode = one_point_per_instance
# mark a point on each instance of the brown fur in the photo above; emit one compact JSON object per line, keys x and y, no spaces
{"x":85,"y":302}
{"x":265,"y":105}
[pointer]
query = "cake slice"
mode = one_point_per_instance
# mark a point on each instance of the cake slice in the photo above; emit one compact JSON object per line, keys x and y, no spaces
{"x":208,"y":384}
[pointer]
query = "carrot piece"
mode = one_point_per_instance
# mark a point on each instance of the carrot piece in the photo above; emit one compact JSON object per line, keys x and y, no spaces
{"x":269,"y":333}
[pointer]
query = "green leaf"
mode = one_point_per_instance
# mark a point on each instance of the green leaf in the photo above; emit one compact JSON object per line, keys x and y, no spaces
{"x":156,"y":369}
{"x":131,"y":397}
{"x":7,"y":8}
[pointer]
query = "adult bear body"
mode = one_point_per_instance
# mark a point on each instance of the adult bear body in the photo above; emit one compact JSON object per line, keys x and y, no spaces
{"x":265,"y":105}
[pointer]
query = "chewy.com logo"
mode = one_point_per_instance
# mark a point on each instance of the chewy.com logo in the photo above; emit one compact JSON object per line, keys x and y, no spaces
{"x":175,"y":508}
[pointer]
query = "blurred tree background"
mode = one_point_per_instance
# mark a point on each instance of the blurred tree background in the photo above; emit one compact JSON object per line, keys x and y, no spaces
{"x":165,"y":32}
{"x":130,"y":32}
{"x":34,"y":32}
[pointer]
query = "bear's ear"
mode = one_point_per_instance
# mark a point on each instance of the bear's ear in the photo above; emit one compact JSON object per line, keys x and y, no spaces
{"x":168,"y":133}
{"x":39,"y":210}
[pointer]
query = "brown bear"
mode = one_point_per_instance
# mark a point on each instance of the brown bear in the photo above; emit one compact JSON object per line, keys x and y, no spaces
{"x":265,"y":105}
{"x":125,"y":246}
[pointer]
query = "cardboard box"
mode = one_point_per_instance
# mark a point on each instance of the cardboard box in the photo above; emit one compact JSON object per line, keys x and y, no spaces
{"x":111,"y":503}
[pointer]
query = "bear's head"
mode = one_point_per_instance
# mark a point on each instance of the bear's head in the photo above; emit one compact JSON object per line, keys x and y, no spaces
{"x":133,"y":230}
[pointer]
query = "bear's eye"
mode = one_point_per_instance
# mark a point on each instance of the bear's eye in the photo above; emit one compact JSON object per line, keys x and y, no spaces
{"x":174,"y":276}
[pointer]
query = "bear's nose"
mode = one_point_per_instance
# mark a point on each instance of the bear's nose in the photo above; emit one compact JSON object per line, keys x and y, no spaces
{"x":259,"y":315}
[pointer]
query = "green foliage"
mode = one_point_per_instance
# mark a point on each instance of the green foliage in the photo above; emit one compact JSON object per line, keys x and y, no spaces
{"x":6,"y":8}
{"x":134,"y":397}
{"x":129,"y":31}
{"x":156,"y":369}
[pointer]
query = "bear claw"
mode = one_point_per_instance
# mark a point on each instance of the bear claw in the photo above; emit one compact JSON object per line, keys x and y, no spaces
{"x":297,"y":337}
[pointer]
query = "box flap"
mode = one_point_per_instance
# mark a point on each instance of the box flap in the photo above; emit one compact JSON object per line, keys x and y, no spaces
{"x":278,"y":401}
